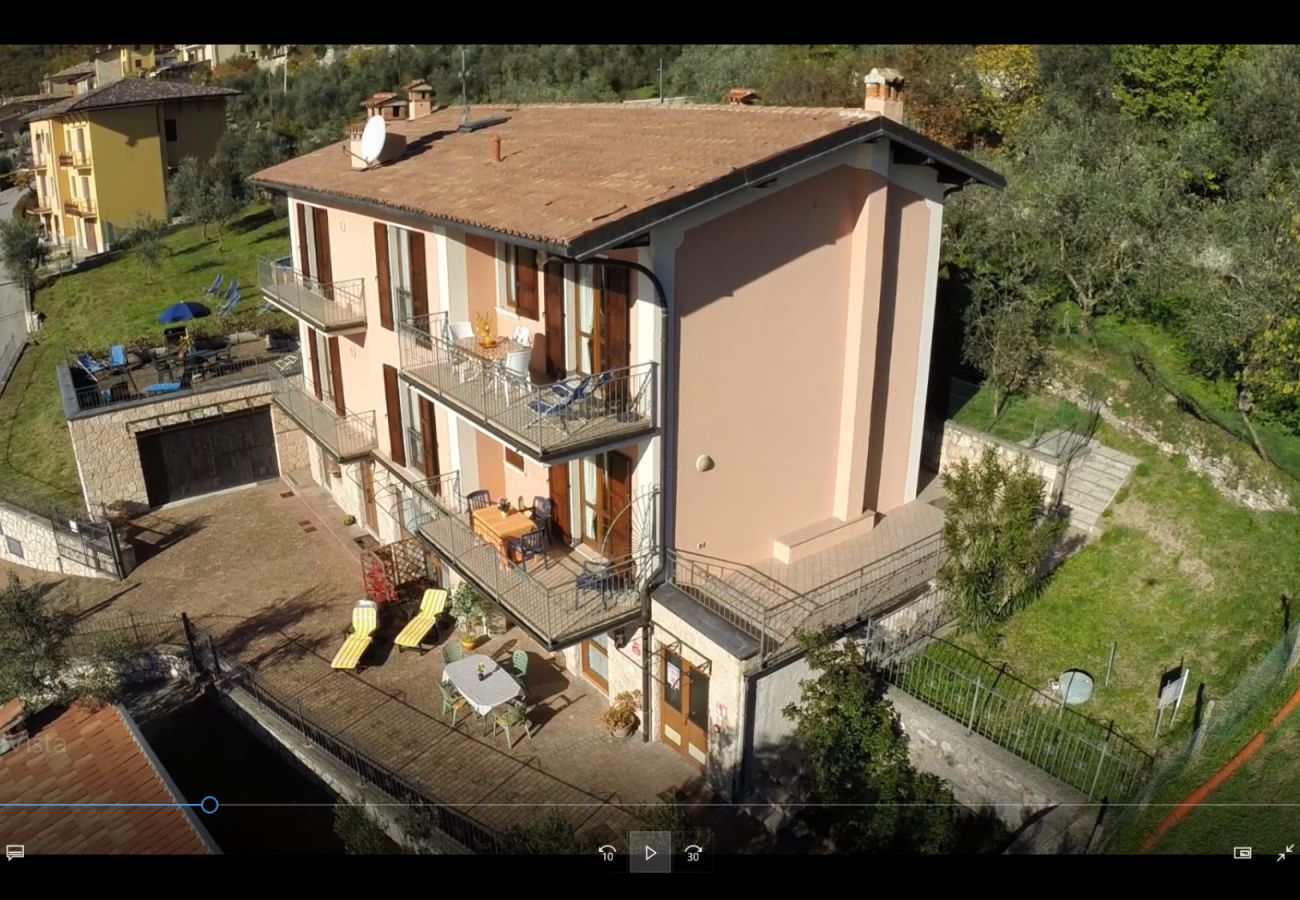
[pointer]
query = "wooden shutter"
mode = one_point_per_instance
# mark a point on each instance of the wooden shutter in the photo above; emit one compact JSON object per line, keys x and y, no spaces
{"x":397,"y":449}
{"x":617,"y":335}
{"x":321,"y":225}
{"x":554,"y":320}
{"x":559,"y":476}
{"x":618,"y":496}
{"x":336,"y":377}
{"x":419,"y":276}
{"x":526,"y":282}
{"x":430,"y":436}
{"x":314,"y":345}
{"x":381,"y":269}
{"x":304,"y":258}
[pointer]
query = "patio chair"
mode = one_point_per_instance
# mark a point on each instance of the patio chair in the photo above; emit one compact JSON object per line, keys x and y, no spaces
{"x":91,"y":366}
{"x":478,"y":500}
{"x":460,"y":330}
{"x":543,"y":515}
{"x":520,"y":661}
{"x":522,"y":337}
{"x":451,"y":700}
{"x":512,"y":374}
{"x":229,"y":306}
{"x":232,"y":293}
{"x":513,"y":716}
{"x":452,"y":652}
{"x":595,"y":576}
{"x":432,"y":607}
{"x":365,"y":619}
{"x":117,"y":356}
{"x":216,"y":284}
{"x":562,"y":400}
{"x":526,"y":546}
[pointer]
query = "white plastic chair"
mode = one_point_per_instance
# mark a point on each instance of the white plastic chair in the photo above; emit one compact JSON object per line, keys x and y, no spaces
{"x":522,"y":337}
{"x":513,"y":373}
{"x":466,"y":366}
{"x":461,"y":330}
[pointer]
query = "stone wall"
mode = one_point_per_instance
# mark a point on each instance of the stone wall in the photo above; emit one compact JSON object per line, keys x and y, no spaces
{"x":962,"y":444}
{"x":104,"y":442}
{"x":290,"y":444}
{"x":28,"y":539}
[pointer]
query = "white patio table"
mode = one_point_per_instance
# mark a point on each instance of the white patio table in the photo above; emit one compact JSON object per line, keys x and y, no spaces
{"x":497,"y":685}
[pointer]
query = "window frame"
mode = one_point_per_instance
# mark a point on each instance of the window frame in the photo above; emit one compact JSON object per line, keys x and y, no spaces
{"x":509,"y":300}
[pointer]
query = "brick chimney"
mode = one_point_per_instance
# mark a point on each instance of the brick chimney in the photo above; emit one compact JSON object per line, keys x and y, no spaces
{"x":419,"y":98}
{"x":354,"y":143}
{"x":885,"y":94}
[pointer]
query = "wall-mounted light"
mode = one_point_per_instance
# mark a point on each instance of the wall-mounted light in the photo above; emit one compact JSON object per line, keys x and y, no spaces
{"x":704,"y":462}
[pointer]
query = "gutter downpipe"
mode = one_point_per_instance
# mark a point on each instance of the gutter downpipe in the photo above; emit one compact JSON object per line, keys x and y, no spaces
{"x":657,"y":577}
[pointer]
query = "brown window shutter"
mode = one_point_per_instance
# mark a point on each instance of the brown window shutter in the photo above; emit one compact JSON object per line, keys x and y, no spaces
{"x":419,"y":277}
{"x":321,"y":224}
{"x":336,"y":377}
{"x":559,"y":476}
{"x":617,"y":334}
{"x":618,"y":497}
{"x":554,"y":285}
{"x":381,"y":268}
{"x":428,"y":429}
{"x":304,"y":258}
{"x":397,"y":449}
{"x":314,"y":346}
{"x":526,"y":282}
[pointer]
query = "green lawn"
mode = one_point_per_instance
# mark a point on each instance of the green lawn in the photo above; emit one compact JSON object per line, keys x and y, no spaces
{"x":113,"y":303}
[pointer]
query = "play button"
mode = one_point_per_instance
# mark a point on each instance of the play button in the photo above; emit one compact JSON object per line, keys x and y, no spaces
{"x":650,"y":853}
{"x":658,"y":846}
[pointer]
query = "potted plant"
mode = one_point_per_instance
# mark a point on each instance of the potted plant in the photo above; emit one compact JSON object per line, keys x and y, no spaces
{"x":279,"y":336}
{"x":467,"y":609}
{"x":483,"y":328}
{"x":349,"y":520}
{"x":620,"y":718}
{"x":504,"y":506}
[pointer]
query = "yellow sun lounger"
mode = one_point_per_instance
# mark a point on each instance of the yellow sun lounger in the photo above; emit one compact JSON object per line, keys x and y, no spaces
{"x":365,"y":618}
{"x":431,"y":608}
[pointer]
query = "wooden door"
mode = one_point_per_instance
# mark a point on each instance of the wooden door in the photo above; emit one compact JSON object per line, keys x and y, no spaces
{"x":368,"y":492}
{"x":559,"y":477}
{"x":618,"y":503}
{"x":314,"y":345}
{"x":336,"y":377}
{"x":321,"y":227}
{"x":554,"y":289}
{"x":393,"y":403}
{"x":684,"y":708}
{"x":429,"y":438}
{"x":304,"y":256}
{"x":595,"y":660}
{"x":616,"y":336}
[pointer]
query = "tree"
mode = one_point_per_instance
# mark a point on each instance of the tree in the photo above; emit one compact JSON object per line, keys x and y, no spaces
{"x":187,"y":193}
{"x":358,"y":832}
{"x":1270,"y":374}
{"x":145,"y":238}
{"x":997,"y":533}
{"x":863,"y":792}
{"x":1006,"y":339}
{"x":23,"y":251}
{"x":1077,"y":77}
{"x":552,"y":836}
{"x":1169,"y":84}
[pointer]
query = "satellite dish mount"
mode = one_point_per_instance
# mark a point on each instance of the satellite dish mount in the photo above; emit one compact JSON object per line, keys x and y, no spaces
{"x":373,"y":138}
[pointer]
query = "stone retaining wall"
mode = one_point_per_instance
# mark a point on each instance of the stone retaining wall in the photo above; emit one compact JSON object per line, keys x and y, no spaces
{"x":963,"y":444}
{"x":28,"y":540}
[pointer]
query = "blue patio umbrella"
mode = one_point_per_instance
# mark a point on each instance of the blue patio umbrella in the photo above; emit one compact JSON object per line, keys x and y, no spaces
{"x":183,"y":312}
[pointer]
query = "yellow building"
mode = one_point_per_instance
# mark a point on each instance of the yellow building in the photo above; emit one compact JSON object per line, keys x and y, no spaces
{"x":102,"y":159}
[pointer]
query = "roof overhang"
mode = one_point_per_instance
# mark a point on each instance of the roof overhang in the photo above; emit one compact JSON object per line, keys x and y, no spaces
{"x":911,"y":148}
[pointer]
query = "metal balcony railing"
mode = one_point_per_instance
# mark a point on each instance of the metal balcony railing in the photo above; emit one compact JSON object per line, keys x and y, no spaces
{"x":579,"y":414}
{"x":559,"y":604}
{"x":79,"y":158}
{"x":333,"y":306}
{"x":80,"y":206}
{"x":65,"y":159}
{"x":346,"y":436}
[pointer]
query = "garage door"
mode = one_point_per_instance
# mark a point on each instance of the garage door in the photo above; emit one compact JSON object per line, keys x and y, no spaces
{"x":217,"y":453}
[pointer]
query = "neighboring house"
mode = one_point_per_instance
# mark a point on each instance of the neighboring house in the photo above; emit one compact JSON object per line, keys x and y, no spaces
{"x":216,"y":54}
{"x":75,"y":79}
{"x":101,"y":159}
{"x":13,"y":111}
{"x":117,"y":61}
{"x":99,"y":760}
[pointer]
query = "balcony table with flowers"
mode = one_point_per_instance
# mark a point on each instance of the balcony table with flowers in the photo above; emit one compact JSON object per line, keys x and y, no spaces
{"x":495,"y":527}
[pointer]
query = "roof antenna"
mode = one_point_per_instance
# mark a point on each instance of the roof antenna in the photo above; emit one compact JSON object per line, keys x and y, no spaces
{"x":464,"y":102}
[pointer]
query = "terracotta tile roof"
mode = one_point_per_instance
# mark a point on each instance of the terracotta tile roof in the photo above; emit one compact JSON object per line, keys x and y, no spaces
{"x":576,"y":175}
{"x":90,"y":757}
{"x":378,"y":99}
{"x":130,"y":92}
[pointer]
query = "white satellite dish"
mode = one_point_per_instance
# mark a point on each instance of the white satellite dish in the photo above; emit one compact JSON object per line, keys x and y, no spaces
{"x":372,"y":139}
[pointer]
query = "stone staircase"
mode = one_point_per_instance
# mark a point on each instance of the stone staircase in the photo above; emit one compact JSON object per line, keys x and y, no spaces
{"x":1093,"y":480}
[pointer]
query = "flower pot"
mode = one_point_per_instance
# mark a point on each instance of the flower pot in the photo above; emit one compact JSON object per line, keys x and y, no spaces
{"x":625,"y":730}
{"x":467,"y":642}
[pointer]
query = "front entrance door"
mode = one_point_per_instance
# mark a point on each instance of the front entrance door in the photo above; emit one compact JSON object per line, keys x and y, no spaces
{"x":595,"y":660}
{"x":684,"y":708}
{"x":368,"y":492}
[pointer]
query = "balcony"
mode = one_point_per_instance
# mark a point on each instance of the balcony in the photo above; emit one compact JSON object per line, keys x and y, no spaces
{"x":79,"y":206}
{"x":345,"y":436}
{"x":335,"y":308}
{"x":559,"y":601}
{"x":65,"y":159}
{"x":39,"y":163}
{"x":552,"y":422}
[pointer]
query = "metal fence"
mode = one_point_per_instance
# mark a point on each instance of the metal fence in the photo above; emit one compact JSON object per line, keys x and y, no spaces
{"x":328,"y":305}
{"x":346,"y":436}
{"x":194,"y":378}
{"x":1082,"y":752}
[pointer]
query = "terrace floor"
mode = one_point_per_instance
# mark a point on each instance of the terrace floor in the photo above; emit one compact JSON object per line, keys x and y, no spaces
{"x":284,"y":610}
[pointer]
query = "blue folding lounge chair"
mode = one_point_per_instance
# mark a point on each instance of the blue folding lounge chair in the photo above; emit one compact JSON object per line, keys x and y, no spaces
{"x":163,"y":387}
{"x":90,"y":365}
{"x":229,"y":306}
{"x":233,"y":292}
{"x":565,"y":398}
{"x":216,"y":285}
{"x":117,"y":356}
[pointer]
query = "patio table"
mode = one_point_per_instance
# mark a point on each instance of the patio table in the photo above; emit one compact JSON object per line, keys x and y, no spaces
{"x":496,"y":687}
{"x":496,"y":529}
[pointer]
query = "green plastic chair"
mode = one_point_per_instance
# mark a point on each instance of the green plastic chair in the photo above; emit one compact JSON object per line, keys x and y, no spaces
{"x":452,"y":652}
{"x":514,"y":715}
{"x":520,"y":660}
{"x":451,"y":701}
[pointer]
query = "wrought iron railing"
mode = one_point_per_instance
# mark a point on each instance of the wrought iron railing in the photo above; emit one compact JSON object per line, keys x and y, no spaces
{"x":65,"y":159}
{"x":578,"y":412}
{"x":571,"y":606}
{"x":327,"y":306}
{"x":738,"y":593}
{"x":346,"y":436}
{"x":80,"y":206}
{"x":116,"y":390}
{"x":79,"y":158}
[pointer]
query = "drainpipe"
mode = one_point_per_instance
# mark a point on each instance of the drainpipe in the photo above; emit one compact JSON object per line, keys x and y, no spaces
{"x":661,"y":561}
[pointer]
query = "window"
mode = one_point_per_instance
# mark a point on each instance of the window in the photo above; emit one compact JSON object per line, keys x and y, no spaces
{"x":510,"y":277}
{"x":139,"y":64}
{"x":137,"y":47}
{"x":15,"y":547}
{"x":595,"y":660}
{"x":414,"y":428}
{"x":169,"y":126}
{"x":514,"y":459}
{"x":322,"y":354}
{"x":399,"y":273}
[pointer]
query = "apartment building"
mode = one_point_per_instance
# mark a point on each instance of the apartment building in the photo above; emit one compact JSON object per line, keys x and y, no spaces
{"x":101,"y":159}
{"x":697,"y":337}
{"x":216,"y":54}
{"x":74,"y":79}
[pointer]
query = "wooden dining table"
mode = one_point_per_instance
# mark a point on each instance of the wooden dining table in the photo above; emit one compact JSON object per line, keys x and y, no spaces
{"x":489,"y":524}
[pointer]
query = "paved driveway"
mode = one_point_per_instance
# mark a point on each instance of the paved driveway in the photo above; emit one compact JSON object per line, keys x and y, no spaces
{"x":13,"y":306}
{"x":275,"y":582}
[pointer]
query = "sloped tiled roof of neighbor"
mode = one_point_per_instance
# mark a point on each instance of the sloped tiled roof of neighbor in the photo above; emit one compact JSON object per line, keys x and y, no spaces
{"x":130,"y":92}
{"x":575,"y":177}
{"x":85,"y":67}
